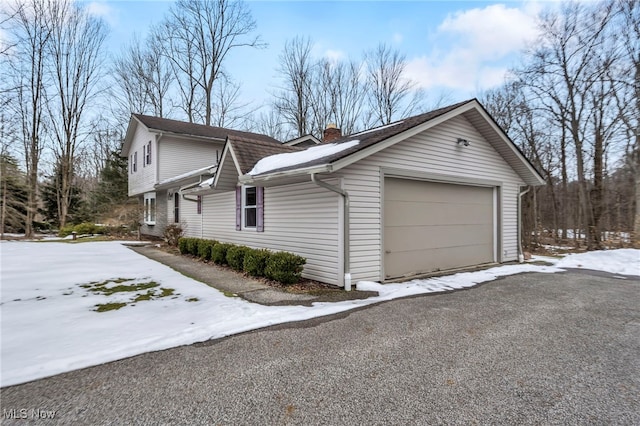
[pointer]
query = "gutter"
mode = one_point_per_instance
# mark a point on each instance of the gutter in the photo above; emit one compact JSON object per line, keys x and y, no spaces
{"x":345,"y":196}
{"x":520,"y":251}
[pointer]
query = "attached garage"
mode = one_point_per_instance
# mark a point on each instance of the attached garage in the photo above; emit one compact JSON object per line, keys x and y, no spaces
{"x":435,"y":226}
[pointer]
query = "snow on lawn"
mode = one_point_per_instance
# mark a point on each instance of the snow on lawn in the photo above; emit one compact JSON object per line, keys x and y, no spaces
{"x":621,"y":261}
{"x":51,"y":292}
{"x":279,"y":161}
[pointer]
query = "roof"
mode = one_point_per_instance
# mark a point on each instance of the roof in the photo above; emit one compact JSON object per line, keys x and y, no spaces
{"x":182,"y":128}
{"x":375,"y":139}
{"x":248,"y":151}
{"x":193,"y":129}
{"x":371,"y":137}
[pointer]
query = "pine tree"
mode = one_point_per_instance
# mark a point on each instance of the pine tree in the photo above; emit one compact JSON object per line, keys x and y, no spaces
{"x":13,"y":195}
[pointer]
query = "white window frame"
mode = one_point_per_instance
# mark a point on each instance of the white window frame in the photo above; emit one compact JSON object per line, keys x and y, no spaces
{"x":245,"y":207}
{"x":147,"y":155}
{"x":150,"y":208}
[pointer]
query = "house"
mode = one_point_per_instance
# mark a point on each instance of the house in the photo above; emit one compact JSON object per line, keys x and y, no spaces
{"x":163,"y":156}
{"x":434,"y":192}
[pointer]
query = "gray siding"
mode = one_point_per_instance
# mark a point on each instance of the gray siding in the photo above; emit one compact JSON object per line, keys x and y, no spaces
{"x":144,"y":178}
{"x":435,"y":152}
{"x":178,"y":156}
{"x":156,"y":230}
{"x":301,"y":218}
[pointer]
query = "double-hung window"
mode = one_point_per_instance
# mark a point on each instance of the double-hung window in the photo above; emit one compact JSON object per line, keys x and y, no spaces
{"x":147,"y":153}
{"x":150,"y":208}
{"x":249,"y":207}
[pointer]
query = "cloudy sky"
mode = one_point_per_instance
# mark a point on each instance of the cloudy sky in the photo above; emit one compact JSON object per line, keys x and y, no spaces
{"x":453,"y":47}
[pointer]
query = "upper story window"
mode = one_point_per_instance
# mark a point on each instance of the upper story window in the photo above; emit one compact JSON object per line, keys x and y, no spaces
{"x":135,"y":161}
{"x":147,"y":153}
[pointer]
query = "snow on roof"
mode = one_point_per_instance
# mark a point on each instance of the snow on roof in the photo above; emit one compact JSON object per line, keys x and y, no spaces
{"x":186,"y":175}
{"x":206,"y":183}
{"x":375,"y":129}
{"x":279,"y":161}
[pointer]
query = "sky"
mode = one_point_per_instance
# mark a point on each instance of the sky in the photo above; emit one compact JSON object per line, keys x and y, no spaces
{"x":452,"y":48}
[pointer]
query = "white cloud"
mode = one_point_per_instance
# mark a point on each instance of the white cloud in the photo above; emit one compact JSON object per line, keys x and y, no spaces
{"x":334,"y":55}
{"x":474,"y":47}
{"x":103,"y":10}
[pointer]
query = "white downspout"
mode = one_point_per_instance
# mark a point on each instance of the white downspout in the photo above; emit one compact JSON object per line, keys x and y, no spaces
{"x":520,"y":251}
{"x":345,"y":237}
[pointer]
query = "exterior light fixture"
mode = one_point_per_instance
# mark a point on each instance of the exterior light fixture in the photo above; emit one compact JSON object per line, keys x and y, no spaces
{"x":463,"y":142}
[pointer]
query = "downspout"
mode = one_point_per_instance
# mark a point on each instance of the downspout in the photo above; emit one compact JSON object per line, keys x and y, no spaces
{"x":345,"y":237}
{"x":520,"y":251}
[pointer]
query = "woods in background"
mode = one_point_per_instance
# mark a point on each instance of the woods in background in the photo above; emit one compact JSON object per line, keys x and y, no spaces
{"x":572,"y":105}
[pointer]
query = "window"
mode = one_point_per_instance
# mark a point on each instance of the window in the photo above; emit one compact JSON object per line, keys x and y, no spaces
{"x":147,"y":153}
{"x":199,"y":204}
{"x":135,"y":161}
{"x":176,"y":207}
{"x":249,"y":206}
{"x":150,"y":208}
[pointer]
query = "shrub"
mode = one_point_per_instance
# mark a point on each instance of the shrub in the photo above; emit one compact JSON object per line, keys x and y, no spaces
{"x":81,"y":229}
{"x":192,"y":246}
{"x":235,"y":257}
{"x":183,"y":245}
{"x":284,"y":267}
{"x":219,"y":253}
{"x":204,"y":249}
{"x":254,"y":261}
{"x":172,"y":234}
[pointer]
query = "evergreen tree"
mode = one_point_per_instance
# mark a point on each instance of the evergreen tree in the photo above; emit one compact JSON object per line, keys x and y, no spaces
{"x":13,"y":192}
{"x":113,"y":187}
{"x":51,"y":199}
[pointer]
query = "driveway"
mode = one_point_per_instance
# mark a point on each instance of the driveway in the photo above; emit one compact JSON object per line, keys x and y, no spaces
{"x":527,"y":349}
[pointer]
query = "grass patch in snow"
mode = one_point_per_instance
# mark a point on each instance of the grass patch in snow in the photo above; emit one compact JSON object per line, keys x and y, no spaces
{"x":105,"y":307}
{"x":126,"y":285}
{"x":192,"y":299}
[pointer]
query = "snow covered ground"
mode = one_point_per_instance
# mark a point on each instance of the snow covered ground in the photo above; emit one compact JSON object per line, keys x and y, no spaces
{"x":51,"y":292}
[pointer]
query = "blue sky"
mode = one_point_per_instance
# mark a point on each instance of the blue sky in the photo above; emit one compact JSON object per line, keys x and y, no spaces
{"x":454,"y":47}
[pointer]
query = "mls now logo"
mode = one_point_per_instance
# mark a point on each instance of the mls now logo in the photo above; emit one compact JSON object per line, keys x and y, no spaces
{"x":23,"y":413}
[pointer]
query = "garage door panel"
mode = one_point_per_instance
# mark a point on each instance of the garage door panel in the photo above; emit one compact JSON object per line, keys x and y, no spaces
{"x":417,"y":214}
{"x":415,"y":190}
{"x":439,"y":259}
{"x":433,"y":226}
{"x":403,"y":238}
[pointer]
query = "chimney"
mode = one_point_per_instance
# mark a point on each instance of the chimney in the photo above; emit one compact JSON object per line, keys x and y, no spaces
{"x":331,"y":133}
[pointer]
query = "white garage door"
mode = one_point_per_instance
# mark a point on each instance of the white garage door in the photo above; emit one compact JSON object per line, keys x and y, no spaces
{"x":431,"y":226}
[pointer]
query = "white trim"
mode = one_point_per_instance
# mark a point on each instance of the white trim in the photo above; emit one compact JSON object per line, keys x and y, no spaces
{"x":150,"y":211}
{"x":244,"y":207}
{"x":495,"y":224}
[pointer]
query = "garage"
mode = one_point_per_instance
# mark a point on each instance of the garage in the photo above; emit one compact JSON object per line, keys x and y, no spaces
{"x":435,"y":226}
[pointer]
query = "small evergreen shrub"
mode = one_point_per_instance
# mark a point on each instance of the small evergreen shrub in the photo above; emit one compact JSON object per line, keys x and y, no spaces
{"x":255,"y":261}
{"x":235,"y":257}
{"x":192,"y":246}
{"x":172,"y":234}
{"x":204,"y":249}
{"x":219,"y":253}
{"x":284,"y":267}
{"x":81,"y":229}
{"x":183,"y":245}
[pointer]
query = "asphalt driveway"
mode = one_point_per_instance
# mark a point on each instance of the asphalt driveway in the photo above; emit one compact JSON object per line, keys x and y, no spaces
{"x":526,"y":349}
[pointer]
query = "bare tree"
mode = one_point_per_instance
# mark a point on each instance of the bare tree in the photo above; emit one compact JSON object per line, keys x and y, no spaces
{"x":293,"y":102}
{"x":391,"y":94}
{"x":30,"y":33}
{"x":75,"y":51}
{"x":628,"y":98}
{"x":566,"y":74}
{"x":200,"y":35}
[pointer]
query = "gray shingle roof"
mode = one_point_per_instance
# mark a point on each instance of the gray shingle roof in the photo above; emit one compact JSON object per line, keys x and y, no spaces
{"x":192,"y":129}
{"x":373,"y":136}
{"x":249,"y":151}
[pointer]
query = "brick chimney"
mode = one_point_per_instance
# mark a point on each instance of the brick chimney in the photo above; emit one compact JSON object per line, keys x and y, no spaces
{"x":331,"y":133}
